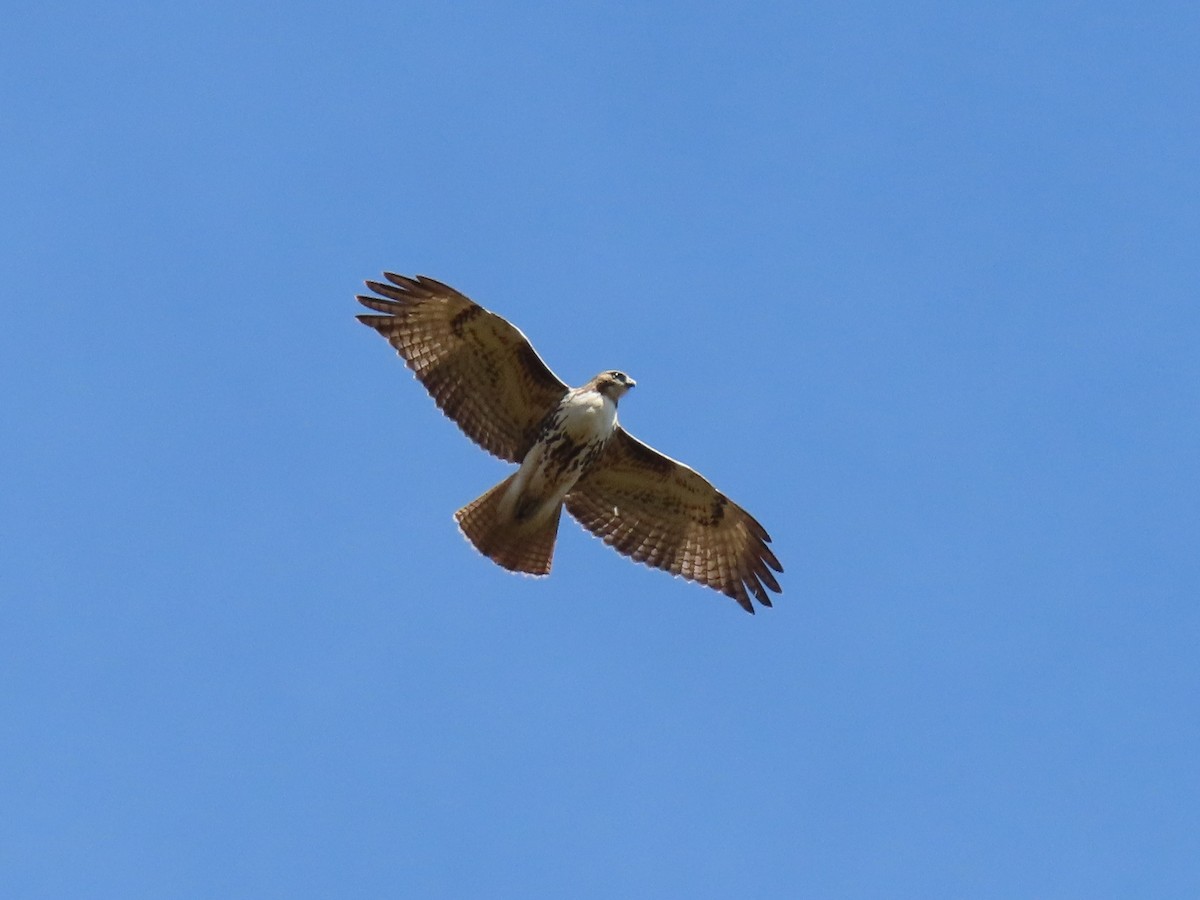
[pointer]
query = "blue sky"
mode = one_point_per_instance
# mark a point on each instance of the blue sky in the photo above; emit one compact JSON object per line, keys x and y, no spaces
{"x":917,"y":285}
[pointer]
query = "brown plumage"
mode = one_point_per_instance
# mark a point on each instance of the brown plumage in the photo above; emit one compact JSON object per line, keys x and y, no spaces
{"x":485,"y":376}
{"x":707,"y":537}
{"x":482,"y":372}
{"x":517,"y":546}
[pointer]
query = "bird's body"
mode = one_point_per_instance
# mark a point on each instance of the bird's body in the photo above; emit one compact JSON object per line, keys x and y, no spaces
{"x":524,"y":512}
{"x":571,"y":439}
{"x":572,"y":451}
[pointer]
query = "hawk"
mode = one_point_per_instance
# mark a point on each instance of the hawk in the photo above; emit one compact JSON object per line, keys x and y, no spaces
{"x":485,"y":375}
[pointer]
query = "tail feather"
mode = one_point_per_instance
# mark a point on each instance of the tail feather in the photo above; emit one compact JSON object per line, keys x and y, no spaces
{"x":518,"y":546}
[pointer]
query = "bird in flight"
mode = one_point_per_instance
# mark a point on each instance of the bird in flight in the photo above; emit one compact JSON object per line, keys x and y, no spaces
{"x":485,"y":375}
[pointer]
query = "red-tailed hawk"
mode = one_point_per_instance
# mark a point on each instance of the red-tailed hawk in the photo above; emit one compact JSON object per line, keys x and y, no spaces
{"x":485,"y":375}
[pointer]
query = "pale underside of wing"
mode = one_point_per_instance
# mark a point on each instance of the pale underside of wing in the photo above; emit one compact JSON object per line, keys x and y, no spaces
{"x":658,"y":511}
{"x":480,"y":370}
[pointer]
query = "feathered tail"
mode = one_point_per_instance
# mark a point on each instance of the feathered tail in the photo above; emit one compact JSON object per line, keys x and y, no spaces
{"x":497,"y":534}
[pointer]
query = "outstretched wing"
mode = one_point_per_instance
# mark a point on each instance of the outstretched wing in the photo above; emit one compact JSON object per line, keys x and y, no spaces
{"x":481,"y":371}
{"x":659,"y":512}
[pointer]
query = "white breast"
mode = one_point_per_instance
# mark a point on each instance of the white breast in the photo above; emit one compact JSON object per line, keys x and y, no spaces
{"x":588,"y":416}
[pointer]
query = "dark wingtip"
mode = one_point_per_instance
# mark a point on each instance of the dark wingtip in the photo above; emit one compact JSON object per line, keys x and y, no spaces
{"x":769,"y":558}
{"x":401,"y":280}
{"x":742,"y":598}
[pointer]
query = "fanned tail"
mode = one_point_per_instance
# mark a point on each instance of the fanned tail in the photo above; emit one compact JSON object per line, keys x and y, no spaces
{"x":517,"y":546}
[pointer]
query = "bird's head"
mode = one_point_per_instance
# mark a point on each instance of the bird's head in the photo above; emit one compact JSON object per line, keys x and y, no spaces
{"x":613,"y":384}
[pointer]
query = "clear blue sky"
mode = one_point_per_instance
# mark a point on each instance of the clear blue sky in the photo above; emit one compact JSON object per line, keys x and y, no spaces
{"x":917,"y":284}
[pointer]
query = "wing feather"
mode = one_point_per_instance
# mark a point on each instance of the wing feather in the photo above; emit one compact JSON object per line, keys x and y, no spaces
{"x":481,"y":371}
{"x":658,"y":511}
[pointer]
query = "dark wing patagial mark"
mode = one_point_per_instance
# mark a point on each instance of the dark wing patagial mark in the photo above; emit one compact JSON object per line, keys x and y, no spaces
{"x":659,"y":512}
{"x":458,"y":325}
{"x":481,"y":371}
